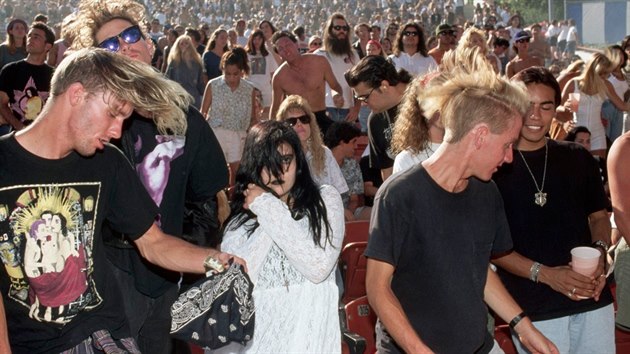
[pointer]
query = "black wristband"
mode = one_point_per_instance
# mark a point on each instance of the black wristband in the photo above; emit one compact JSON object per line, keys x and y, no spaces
{"x":517,"y":319}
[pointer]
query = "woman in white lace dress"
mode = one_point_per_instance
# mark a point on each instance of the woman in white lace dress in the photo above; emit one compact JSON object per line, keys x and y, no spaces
{"x":290,"y":232}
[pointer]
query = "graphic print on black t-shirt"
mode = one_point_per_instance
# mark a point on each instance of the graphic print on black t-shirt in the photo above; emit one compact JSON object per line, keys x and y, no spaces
{"x":28,"y":102}
{"x":46,"y":243}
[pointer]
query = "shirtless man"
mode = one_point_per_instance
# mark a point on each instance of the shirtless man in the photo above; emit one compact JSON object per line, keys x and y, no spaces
{"x":522,"y":60}
{"x":538,"y":47}
{"x":304,"y":75}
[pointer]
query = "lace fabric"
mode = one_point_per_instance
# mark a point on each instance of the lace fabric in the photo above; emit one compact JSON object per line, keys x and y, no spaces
{"x":294,"y":280}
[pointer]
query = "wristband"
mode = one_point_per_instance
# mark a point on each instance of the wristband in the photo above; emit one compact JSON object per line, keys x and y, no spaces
{"x":603,"y":246}
{"x":517,"y":319}
{"x":533,"y":272}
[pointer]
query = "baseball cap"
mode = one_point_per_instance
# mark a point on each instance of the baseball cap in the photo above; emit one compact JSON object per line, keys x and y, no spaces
{"x":522,"y":35}
{"x":445,"y":27}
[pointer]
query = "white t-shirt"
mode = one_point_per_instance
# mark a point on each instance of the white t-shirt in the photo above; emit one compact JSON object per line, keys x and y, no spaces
{"x":572,"y":34}
{"x":620,"y":86}
{"x":340,"y":64}
{"x":416,"y":65}
{"x":407,"y":159}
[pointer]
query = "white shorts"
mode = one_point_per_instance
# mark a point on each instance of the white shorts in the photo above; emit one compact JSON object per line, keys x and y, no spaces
{"x":231,"y":142}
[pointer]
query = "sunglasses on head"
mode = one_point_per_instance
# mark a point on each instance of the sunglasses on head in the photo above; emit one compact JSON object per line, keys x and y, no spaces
{"x":339,"y":28}
{"x":305,"y":119}
{"x":410,"y":33}
{"x":129,"y":35}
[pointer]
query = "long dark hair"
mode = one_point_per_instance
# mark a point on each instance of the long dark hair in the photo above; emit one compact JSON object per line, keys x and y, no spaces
{"x":261,"y":153}
{"x":250,"y":44}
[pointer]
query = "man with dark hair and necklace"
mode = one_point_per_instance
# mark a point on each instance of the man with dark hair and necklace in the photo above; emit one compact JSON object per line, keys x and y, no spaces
{"x":555,"y":201}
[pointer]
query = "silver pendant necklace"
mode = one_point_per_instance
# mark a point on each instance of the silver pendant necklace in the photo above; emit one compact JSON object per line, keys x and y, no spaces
{"x":540,"y":198}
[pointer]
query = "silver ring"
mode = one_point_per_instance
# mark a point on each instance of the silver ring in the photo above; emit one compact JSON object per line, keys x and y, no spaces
{"x":569,"y":294}
{"x":573,"y":292}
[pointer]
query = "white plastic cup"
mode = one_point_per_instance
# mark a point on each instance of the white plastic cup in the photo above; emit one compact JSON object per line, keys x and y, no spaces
{"x":584,"y":260}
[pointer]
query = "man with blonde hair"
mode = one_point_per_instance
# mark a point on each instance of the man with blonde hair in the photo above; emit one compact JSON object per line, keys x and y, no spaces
{"x":63,"y":165}
{"x":179,"y":161}
{"x":435,"y":226}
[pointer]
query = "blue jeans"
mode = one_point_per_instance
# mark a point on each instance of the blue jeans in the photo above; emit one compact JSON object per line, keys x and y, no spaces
{"x":583,"y":333}
{"x":337,"y":114}
{"x":614,"y":129}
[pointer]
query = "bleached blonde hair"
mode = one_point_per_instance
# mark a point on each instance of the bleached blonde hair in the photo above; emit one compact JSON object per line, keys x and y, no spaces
{"x":127,"y":80}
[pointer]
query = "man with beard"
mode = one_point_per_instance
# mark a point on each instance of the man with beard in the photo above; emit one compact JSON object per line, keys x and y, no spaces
{"x":303,"y":75}
{"x":342,"y":57}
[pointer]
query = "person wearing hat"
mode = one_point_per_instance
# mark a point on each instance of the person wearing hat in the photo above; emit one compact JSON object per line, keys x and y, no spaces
{"x":446,"y":39}
{"x":522,"y":60}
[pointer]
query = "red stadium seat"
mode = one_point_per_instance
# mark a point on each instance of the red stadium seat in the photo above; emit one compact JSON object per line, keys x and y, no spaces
{"x":356,"y":231}
{"x":360,"y":319}
{"x":353,"y":268}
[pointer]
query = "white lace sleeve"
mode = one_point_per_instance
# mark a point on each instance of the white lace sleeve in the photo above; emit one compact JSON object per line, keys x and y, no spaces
{"x":295,"y":238}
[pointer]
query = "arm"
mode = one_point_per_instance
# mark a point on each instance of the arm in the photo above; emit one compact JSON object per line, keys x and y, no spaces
{"x":6,"y":112}
{"x":599,"y":224}
{"x":331,"y":80}
{"x":52,"y":55}
{"x":5,"y":347}
{"x":277,"y":94}
{"x":619,"y":182}
{"x":561,"y":279}
{"x":388,"y":308}
{"x":206,"y":102}
{"x":565,"y":106}
{"x":616,"y":101}
{"x":295,"y":237}
{"x":353,"y":114}
{"x":252,"y":117}
{"x":509,"y":69}
{"x":498,"y":298}
{"x":172,"y":253}
{"x":386,"y":172}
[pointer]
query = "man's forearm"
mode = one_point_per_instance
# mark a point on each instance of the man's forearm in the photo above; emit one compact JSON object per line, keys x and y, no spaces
{"x":8,"y":116}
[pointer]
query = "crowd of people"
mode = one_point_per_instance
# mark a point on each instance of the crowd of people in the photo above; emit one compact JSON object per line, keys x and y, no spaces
{"x":236,"y":129}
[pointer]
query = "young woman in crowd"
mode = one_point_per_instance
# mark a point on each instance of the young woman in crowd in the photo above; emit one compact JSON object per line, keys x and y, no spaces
{"x":215,"y":49}
{"x":386,"y":44}
{"x":617,"y":79}
{"x":14,"y":47}
{"x":228,"y":105}
{"x":268,"y":30}
{"x":297,"y":113}
{"x":262,"y":65}
{"x":184,"y":66}
{"x":593,"y":90}
{"x":290,"y":232}
{"x":171,"y":37}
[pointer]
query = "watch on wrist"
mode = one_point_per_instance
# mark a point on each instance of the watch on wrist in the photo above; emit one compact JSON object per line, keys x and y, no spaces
{"x":212,"y":265}
{"x":602,"y":245}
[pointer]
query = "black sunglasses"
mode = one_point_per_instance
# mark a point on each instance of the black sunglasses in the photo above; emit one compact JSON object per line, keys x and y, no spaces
{"x":316,"y":43}
{"x":365,"y":97}
{"x":305,"y":119}
{"x":410,"y":34}
{"x":526,"y":40}
{"x":339,"y":28}
{"x":129,"y":35}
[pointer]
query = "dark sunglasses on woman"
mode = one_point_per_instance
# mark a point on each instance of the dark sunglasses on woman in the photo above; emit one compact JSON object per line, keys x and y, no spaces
{"x":129,"y":35}
{"x":305,"y":119}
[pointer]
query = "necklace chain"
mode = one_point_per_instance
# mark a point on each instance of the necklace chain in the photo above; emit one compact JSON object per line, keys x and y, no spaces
{"x":540,"y":198}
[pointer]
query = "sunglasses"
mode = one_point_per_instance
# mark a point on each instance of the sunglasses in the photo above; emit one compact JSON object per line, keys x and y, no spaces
{"x":339,"y":28}
{"x":523,"y":40}
{"x":365,"y":97}
{"x":316,"y":43}
{"x":410,"y":34}
{"x":305,"y":119}
{"x":129,"y":35}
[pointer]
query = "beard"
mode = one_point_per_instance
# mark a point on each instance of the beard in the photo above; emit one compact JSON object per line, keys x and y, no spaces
{"x":338,"y":46}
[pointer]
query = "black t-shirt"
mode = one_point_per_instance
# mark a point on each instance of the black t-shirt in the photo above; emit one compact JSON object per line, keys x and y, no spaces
{"x":174,"y":170}
{"x":547,"y":234}
{"x":370,"y":175}
{"x":440,"y":244}
{"x":56,"y":281}
{"x":380,"y":127}
{"x":27,"y":86}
